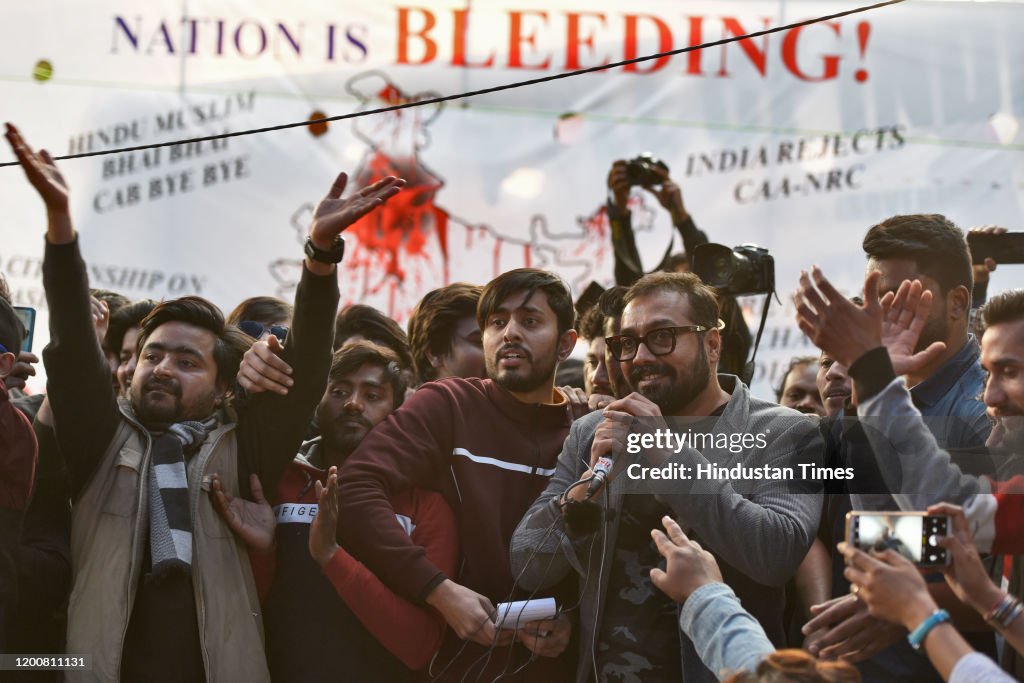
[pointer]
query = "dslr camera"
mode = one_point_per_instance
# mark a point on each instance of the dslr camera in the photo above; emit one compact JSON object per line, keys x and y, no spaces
{"x":639,"y":170}
{"x":746,"y":269}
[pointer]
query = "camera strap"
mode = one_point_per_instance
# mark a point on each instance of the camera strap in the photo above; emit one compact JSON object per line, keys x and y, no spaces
{"x":748,"y":369}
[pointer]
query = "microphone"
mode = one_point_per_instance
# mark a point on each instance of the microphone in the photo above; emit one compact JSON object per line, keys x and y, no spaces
{"x":602,"y":468}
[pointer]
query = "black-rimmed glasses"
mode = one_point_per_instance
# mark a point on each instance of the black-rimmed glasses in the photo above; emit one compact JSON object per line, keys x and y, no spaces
{"x":660,"y":342}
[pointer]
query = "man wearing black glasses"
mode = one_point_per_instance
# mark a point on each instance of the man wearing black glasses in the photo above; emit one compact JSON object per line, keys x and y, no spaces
{"x":669,"y":347}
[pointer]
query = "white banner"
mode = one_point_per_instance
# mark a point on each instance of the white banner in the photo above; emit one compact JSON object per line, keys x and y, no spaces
{"x":798,"y":141}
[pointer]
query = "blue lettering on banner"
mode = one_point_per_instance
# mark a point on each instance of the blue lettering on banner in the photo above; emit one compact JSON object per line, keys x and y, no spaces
{"x":243,"y":37}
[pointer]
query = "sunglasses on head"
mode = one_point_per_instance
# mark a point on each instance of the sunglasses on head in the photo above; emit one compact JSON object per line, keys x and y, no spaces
{"x":257,"y":329}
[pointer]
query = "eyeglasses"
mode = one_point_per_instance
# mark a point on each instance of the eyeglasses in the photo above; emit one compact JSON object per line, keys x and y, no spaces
{"x":660,"y":342}
{"x":257,"y":329}
{"x":3,"y":349}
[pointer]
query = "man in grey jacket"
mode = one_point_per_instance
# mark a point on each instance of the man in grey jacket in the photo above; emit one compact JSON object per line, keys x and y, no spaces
{"x":759,"y":531}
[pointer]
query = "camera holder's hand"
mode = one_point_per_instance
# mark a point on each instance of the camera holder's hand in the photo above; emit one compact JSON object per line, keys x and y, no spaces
{"x":668,"y":193}
{"x":618,"y":184}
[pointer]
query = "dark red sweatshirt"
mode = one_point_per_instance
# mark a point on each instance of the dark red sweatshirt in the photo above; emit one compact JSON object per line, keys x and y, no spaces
{"x":18,"y":453}
{"x":489,"y":454}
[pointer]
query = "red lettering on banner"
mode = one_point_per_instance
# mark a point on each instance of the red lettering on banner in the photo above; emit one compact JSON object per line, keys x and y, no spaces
{"x":630,"y":45}
{"x":587,"y":33}
{"x":429,"y":46}
{"x":516,"y":40}
{"x":830,"y":63}
{"x":696,"y":38}
{"x":573,"y":40}
{"x":460,"y":39}
{"x":863,"y":31}
{"x":758,"y":57}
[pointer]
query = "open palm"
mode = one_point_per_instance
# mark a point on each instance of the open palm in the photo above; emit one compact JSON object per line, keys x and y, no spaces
{"x":40,"y":170}
{"x":253,"y":521}
{"x":905,"y":315}
{"x":322,"y":543}
{"x":333,"y":214}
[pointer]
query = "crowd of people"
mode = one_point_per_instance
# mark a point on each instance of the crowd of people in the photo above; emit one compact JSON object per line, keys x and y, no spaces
{"x":293,"y":493}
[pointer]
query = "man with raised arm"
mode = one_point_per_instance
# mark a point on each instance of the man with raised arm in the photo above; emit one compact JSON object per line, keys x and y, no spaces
{"x":913,"y":461}
{"x":162,"y":591}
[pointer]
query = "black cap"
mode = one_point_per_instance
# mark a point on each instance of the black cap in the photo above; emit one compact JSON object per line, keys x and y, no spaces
{"x":12,"y":332}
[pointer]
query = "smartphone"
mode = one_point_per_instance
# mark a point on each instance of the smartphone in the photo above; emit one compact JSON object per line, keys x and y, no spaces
{"x":28,"y":321}
{"x":1005,"y":248}
{"x":915,"y":535}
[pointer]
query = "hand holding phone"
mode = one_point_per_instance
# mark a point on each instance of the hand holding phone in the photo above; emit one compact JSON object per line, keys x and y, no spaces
{"x":915,"y":535}
{"x":1007,"y":247}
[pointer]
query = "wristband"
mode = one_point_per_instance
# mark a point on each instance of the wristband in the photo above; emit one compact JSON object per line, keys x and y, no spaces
{"x":917,"y":636}
{"x":1004,"y":612}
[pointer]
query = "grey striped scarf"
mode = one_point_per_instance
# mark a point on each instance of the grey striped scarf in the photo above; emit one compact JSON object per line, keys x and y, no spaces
{"x":170,"y":521}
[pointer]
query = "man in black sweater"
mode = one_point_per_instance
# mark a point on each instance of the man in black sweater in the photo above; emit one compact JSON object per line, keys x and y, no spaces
{"x":153,"y":564}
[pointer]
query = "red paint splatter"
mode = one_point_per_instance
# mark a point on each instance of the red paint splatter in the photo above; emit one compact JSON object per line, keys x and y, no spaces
{"x":401,"y":228}
{"x":389,"y":94}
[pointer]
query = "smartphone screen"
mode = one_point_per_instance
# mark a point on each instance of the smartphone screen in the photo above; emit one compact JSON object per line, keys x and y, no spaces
{"x":915,"y":536}
{"x":28,"y":320}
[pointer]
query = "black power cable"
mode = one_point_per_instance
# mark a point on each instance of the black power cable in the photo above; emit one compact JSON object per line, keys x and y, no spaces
{"x":475,"y":93}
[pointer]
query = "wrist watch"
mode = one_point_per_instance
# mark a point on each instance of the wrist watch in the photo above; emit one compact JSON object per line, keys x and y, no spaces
{"x":332,"y":255}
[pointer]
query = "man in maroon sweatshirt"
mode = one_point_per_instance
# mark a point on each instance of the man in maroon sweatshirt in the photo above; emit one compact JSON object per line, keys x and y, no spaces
{"x":489,"y":446}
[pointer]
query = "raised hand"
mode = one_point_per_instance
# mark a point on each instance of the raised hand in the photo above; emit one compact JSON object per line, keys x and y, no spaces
{"x":40,"y":171}
{"x":982,"y":271}
{"x":618,"y":183}
{"x":323,"y":531}
{"x":668,"y":194}
{"x":836,"y":325}
{"x":100,"y":318}
{"x":966,"y":575}
{"x":688,"y":566}
{"x":253,"y":521}
{"x":333,"y":214}
{"x":906,"y":313}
